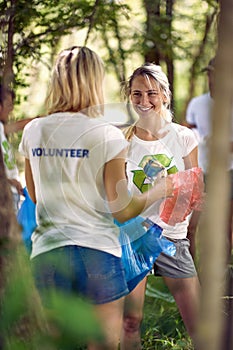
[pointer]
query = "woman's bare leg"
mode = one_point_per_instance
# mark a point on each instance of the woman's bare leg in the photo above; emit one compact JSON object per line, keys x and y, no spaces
{"x":111,"y":319}
{"x":186,"y":292}
{"x":133,"y":315}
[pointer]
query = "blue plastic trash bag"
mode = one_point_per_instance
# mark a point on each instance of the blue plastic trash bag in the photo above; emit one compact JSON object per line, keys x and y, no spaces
{"x":26,"y":217}
{"x":142,"y":242}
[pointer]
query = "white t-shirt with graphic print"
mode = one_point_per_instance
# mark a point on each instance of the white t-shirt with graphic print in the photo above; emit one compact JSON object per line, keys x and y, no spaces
{"x":169,"y":151}
{"x":67,"y":154}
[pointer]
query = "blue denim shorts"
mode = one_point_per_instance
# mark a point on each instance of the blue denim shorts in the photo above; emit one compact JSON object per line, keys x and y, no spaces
{"x":90,"y":273}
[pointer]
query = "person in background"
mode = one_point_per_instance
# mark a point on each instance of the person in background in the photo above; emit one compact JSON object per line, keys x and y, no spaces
{"x":198,"y":118}
{"x":75,"y":173}
{"x":155,"y":136}
{"x":12,"y":173}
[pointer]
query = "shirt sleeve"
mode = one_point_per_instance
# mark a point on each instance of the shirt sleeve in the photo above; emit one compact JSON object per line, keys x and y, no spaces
{"x":115,"y":142}
{"x":189,"y":141}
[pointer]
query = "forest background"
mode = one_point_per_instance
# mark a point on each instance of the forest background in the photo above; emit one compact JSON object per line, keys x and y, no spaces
{"x":180,"y":35}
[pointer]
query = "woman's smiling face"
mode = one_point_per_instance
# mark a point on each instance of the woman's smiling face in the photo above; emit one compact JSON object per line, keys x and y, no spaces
{"x":146,"y":96}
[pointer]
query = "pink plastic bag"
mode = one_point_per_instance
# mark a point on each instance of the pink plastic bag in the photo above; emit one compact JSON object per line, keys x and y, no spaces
{"x":188,"y":196}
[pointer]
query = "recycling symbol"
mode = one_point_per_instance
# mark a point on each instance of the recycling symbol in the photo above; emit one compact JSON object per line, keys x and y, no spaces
{"x":140,"y":178}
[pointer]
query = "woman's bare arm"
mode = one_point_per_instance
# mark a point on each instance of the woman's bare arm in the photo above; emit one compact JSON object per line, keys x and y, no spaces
{"x":16,"y":126}
{"x":190,"y":161}
{"x":29,"y":181}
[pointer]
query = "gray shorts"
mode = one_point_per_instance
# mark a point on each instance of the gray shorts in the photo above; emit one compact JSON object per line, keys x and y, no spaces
{"x":181,"y":265}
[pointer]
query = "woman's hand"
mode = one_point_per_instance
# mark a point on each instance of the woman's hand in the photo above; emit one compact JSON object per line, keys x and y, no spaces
{"x":15,"y":183}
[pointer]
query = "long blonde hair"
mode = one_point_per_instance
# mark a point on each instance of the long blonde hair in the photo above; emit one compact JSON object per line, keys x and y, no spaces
{"x":77,"y":82}
{"x":154,"y":71}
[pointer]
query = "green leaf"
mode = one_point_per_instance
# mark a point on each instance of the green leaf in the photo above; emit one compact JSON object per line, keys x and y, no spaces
{"x":75,"y":319}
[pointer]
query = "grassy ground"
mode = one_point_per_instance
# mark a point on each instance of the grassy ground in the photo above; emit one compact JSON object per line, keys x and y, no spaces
{"x":162,"y":326}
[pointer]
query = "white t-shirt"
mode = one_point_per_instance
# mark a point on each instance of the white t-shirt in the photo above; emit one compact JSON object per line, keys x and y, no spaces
{"x":169,"y":151}
{"x":67,"y":154}
{"x":199,"y":113}
{"x":8,"y":158}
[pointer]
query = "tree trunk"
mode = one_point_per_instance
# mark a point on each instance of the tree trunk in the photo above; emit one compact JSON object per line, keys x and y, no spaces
{"x":15,"y":275}
{"x":213,"y":228}
{"x":8,"y":74}
{"x":152,"y":50}
{"x":158,"y":37}
{"x":195,"y":68}
{"x":169,"y":54}
{"x":9,"y":230}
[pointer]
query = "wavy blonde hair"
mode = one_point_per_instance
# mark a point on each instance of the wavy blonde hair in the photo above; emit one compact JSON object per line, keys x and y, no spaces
{"x":77,"y":82}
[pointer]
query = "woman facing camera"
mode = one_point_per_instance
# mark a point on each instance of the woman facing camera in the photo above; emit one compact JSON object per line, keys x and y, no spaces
{"x":156,"y":141}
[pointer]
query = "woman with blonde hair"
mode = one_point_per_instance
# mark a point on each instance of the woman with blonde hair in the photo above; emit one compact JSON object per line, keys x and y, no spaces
{"x":75,"y":173}
{"x":155,"y":139}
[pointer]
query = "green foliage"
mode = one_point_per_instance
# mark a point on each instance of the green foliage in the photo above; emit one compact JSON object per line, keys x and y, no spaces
{"x":120,"y":30}
{"x":162,"y":327}
{"x":39,"y":25}
{"x":74,"y":320}
{"x":25,"y":325}
{"x":70,"y":322}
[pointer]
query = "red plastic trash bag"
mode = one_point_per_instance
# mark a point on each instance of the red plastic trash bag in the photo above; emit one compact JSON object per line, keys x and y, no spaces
{"x":188,"y":196}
